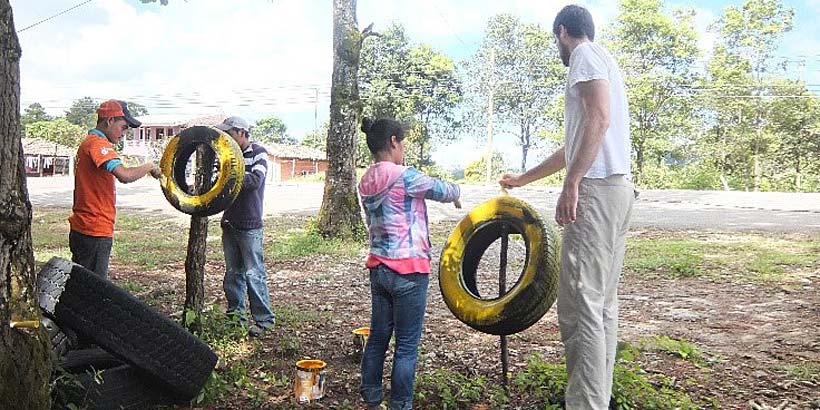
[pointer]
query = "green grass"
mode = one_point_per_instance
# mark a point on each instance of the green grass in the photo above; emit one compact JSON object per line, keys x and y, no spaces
{"x":449,"y":390}
{"x":804,"y":371}
{"x":665,"y":257}
{"x":49,"y":235}
{"x":244,"y":363}
{"x":682,"y":348}
{"x":746,"y":257}
{"x":131,"y":286}
{"x":150,"y":242}
{"x":300,"y":243}
{"x":633,"y":388}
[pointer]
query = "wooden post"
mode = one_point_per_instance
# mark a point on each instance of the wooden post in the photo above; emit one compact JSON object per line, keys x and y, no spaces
{"x":197,"y":245}
{"x":502,"y":288}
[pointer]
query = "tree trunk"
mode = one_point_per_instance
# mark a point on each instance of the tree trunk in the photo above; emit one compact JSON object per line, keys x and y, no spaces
{"x":339,"y":215}
{"x":639,"y":160}
{"x":420,"y":164}
{"x":197,"y":246}
{"x":525,"y":146}
{"x":25,"y":363}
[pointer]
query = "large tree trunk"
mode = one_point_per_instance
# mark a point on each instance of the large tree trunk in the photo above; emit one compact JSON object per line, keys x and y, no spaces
{"x":197,"y":246}
{"x":25,"y":365}
{"x":339,"y":215}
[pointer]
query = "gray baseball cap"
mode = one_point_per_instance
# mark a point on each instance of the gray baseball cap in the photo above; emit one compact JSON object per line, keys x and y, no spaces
{"x":234,"y":122}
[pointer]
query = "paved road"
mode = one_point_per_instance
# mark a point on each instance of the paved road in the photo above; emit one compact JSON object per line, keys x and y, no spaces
{"x":668,"y":210}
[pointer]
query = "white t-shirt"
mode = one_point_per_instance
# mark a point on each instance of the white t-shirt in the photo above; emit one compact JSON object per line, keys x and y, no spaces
{"x":589,"y":61}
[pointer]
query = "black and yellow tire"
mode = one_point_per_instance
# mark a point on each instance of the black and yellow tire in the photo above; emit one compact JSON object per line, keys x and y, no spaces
{"x":537,"y":286}
{"x":230,"y":171}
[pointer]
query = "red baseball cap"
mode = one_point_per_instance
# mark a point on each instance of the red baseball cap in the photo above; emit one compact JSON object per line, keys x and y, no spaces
{"x":117,"y":108}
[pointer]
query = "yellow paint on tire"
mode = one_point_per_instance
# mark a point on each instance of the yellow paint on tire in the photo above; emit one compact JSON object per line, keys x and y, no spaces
{"x":231,"y":171}
{"x":502,"y":315}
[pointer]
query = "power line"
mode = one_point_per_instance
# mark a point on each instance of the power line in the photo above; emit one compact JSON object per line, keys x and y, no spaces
{"x":447,"y":22}
{"x":51,"y":17}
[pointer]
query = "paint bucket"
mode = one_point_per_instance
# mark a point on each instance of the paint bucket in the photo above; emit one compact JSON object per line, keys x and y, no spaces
{"x":360,"y":336}
{"x":309,"y":383}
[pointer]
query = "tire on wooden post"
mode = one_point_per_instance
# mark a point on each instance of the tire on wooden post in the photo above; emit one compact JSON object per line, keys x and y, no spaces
{"x":537,"y":286}
{"x":230,"y":166}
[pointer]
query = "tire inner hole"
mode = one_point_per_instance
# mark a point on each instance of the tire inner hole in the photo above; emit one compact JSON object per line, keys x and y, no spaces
{"x":187,"y":178}
{"x":482,"y":261}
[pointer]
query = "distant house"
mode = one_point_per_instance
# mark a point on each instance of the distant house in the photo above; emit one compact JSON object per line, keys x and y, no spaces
{"x":45,"y":158}
{"x":290,"y":161}
{"x":156,"y":130}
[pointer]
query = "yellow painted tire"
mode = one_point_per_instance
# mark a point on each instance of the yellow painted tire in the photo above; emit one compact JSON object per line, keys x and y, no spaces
{"x":537,"y":286}
{"x":230,"y":171}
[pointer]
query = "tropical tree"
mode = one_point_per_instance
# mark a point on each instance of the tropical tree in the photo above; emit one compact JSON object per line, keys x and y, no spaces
{"x":316,"y":138}
{"x":25,"y":362}
{"x":414,"y":84}
{"x":34,"y":113}
{"x":518,"y":65}
{"x":739,"y":73}
{"x":83,"y":112}
{"x":271,"y":129}
{"x":657,"y":49}
{"x":137,"y":109}
{"x":476,"y":170}
{"x":58,"y":130}
{"x":795,"y":126}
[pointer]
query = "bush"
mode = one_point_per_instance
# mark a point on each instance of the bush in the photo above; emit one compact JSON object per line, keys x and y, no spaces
{"x":476,"y":171}
{"x":689,"y":176}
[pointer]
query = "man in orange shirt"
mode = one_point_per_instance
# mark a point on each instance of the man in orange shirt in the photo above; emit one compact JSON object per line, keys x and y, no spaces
{"x":92,"y":219}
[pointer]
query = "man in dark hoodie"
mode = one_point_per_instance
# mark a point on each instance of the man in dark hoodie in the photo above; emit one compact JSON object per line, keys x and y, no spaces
{"x":242,"y":235}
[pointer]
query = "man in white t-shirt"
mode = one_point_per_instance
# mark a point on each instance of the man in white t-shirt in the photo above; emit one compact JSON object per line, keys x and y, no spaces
{"x":594,"y":207}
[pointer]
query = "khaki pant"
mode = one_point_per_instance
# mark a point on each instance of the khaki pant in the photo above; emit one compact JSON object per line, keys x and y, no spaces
{"x":592,"y":256}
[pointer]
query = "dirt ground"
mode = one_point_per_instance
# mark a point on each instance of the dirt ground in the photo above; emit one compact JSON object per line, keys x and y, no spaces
{"x":750,"y":333}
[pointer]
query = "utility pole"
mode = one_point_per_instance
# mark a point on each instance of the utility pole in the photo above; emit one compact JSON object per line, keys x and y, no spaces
{"x":758,"y":123}
{"x":490,"y":118}
{"x":316,"y":109}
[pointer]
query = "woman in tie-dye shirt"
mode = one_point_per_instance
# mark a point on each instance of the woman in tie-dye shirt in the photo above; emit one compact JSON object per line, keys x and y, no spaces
{"x":394,"y":197}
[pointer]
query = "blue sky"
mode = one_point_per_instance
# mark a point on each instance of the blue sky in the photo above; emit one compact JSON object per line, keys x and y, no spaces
{"x":260,"y":57}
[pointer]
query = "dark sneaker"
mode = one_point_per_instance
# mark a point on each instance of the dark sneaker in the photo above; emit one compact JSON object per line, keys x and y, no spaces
{"x":256,"y":331}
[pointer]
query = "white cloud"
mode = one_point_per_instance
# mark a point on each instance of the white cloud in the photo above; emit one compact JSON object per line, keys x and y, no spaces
{"x":171,"y":57}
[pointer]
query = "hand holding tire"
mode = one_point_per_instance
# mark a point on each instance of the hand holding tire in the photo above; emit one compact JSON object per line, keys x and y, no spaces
{"x":155,"y":172}
{"x":508,"y":181}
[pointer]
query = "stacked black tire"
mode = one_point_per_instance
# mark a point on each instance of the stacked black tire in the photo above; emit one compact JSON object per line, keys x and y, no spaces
{"x":143,"y":358}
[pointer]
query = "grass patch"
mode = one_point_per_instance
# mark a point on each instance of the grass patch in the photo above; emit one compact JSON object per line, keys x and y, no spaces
{"x":299,"y":243}
{"x":682,"y":348}
{"x":150,"y":242}
{"x":49,"y":229}
{"x":804,"y":371}
{"x":49,"y":234}
{"x":244,"y":364}
{"x":131,"y":287}
{"x":633,"y":388}
{"x":745,"y":257}
{"x":449,"y":390}
{"x":665,"y":257}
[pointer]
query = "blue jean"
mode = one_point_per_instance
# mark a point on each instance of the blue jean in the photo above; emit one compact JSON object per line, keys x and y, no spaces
{"x":245,"y":275}
{"x":398,"y":303}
